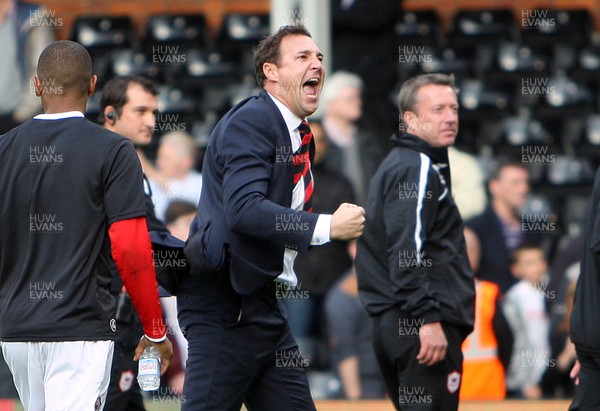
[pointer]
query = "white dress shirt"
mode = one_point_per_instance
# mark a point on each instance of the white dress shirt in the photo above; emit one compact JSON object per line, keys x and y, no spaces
{"x":323,"y":226}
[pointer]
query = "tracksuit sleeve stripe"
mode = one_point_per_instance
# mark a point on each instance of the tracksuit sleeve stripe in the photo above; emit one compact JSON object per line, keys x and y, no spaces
{"x":423,"y":174}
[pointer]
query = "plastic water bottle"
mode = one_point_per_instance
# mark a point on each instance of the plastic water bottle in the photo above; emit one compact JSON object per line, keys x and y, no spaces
{"x":149,"y":369}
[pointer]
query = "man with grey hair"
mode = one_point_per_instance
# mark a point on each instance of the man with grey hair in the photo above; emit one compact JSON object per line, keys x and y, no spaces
{"x":352,"y":151}
{"x":413,"y":273}
{"x":175,"y":178}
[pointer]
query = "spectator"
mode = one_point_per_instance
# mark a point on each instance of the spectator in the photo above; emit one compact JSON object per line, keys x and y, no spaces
{"x":352,"y":151}
{"x":178,"y":218}
{"x":499,"y":227}
{"x":525,"y":310}
{"x":364,"y":43}
{"x":176,"y":178}
{"x":564,"y":272}
{"x":323,"y":266}
{"x":23,"y":39}
{"x":487,"y":349}
{"x":468,"y":186}
{"x":350,"y":343}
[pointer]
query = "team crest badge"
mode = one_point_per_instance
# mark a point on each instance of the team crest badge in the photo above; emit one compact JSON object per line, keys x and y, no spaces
{"x":453,"y":382}
{"x":126,"y":380}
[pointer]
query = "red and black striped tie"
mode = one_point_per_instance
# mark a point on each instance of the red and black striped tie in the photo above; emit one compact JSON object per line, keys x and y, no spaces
{"x":302,"y":164}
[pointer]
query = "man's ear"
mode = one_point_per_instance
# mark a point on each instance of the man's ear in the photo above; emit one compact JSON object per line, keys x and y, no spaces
{"x":271,"y":71}
{"x":409,"y":117}
{"x":92,"y":85}
{"x":37,"y":85}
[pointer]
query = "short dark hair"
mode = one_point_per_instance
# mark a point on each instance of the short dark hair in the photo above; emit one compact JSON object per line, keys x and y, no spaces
{"x":268,"y":50}
{"x":67,"y":67}
{"x":501,"y":163}
{"x":516,"y":253}
{"x":114,"y":93}
{"x":407,"y":98}
{"x":178,"y":208}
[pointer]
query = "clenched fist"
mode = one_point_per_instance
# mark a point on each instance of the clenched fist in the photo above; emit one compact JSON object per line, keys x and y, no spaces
{"x":348,"y":222}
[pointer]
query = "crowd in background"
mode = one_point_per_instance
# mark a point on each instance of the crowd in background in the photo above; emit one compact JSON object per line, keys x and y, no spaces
{"x":525,"y":281}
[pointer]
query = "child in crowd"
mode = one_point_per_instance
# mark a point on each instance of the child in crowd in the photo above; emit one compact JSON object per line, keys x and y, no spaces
{"x":525,"y":309}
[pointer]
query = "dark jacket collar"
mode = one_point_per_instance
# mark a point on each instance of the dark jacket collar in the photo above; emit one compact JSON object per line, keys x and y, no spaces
{"x":436,"y":154}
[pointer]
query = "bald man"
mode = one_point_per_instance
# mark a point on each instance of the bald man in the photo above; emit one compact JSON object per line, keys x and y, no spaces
{"x":73,"y":213}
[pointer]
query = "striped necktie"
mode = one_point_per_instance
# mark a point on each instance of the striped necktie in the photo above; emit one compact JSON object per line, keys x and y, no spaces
{"x":302,"y":164}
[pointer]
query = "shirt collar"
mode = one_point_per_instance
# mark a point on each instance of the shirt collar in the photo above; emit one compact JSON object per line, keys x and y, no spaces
{"x":59,"y":116}
{"x":291,"y":120}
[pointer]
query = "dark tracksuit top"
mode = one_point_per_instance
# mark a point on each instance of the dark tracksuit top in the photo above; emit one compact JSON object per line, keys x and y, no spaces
{"x":412,"y":253}
{"x":584,"y":330}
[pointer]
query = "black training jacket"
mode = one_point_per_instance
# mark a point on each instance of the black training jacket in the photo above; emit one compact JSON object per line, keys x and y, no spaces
{"x":584,"y":328}
{"x":412,"y":253}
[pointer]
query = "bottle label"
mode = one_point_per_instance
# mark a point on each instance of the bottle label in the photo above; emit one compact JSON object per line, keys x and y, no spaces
{"x":148,"y":366}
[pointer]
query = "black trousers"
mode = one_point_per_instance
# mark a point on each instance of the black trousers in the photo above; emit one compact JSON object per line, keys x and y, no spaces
{"x":413,"y":386}
{"x":240,"y":350}
{"x":587,"y":394}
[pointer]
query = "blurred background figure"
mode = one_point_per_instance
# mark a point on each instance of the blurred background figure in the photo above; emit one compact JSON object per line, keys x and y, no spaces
{"x":178,"y":218}
{"x":350,"y":344}
{"x":468,"y":183}
{"x":364,"y":43}
{"x":525,"y":309}
{"x":318,"y":270}
{"x":23,"y":39}
{"x":487,"y":349}
{"x":564,"y":273}
{"x":352,"y":150}
{"x":499,"y":228}
{"x":175,"y":177}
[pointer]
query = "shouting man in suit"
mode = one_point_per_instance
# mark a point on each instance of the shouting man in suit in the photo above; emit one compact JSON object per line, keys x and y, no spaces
{"x":254,"y":217}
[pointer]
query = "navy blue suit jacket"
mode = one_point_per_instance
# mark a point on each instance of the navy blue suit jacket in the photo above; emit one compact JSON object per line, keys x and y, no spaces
{"x":247,"y":183}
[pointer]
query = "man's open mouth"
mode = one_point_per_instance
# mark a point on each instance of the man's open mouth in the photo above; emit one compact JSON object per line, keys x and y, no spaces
{"x":311,"y":87}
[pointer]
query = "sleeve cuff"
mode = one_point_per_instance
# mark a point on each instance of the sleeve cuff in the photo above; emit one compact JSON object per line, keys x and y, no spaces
{"x":156,"y":340}
{"x":432,"y":317}
{"x":321,"y":235}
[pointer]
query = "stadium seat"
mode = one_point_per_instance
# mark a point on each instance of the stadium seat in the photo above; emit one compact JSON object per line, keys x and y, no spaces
{"x":516,"y":58}
{"x":588,"y":63}
{"x":478,"y":96}
{"x":175,"y":100}
{"x":209,"y":66}
{"x":549,"y":26}
{"x":589,"y":58}
{"x":591,"y":130}
{"x":575,"y":212}
{"x":238,"y":34}
{"x":520,"y":131}
{"x":130,"y":62}
{"x":244,"y":28}
{"x":186,"y":30}
{"x":565,"y":97}
{"x":474,"y":27}
{"x":447,"y":60}
{"x":567,"y":170}
{"x":418,"y":28}
{"x":103,"y":32}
